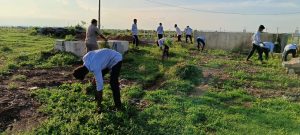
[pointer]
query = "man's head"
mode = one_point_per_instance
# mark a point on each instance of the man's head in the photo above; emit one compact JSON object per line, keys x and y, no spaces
{"x":175,"y":25}
{"x":80,"y":72}
{"x":188,"y":26}
{"x":261,"y":28}
{"x":135,"y":21}
{"x":94,"y":22}
{"x":160,"y":24}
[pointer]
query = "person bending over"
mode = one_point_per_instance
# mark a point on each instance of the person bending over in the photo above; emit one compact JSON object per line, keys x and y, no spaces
{"x":100,"y":62}
{"x":291,"y":48}
{"x":201,"y":41}
{"x":164,"y":45}
{"x":267,"y":47}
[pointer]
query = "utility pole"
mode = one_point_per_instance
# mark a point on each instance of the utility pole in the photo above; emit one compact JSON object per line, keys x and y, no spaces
{"x":298,"y":34}
{"x":99,"y":15}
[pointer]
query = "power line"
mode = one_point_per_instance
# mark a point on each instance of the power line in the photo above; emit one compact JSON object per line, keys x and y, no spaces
{"x":220,"y":12}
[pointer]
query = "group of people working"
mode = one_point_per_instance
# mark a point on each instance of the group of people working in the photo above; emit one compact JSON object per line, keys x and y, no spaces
{"x":268,"y":47}
{"x":100,"y":62}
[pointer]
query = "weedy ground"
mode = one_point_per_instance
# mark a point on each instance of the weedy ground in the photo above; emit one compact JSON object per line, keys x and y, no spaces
{"x":211,"y":92}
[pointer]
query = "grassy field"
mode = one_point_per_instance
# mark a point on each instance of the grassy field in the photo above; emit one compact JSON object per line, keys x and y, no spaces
{"x":215,"y":92}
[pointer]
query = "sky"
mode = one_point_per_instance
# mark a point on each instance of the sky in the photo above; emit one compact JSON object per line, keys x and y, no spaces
{"x":207,"y":15}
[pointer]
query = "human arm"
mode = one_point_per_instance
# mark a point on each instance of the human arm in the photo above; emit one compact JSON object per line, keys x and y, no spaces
{"x":100,"y":34}
{"x":99,"y":80}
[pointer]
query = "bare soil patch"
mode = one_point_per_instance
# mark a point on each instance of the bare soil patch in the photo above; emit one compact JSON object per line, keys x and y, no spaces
{"x":18,"y":110}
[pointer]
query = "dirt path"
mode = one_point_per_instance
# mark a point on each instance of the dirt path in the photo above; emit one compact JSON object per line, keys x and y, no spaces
{"x":18,"y":110}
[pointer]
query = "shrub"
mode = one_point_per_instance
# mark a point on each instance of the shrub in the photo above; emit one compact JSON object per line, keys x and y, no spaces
{"x":33,"y":31}
{"x":12,"y":66}
{"x":187,"y":72}
{"x":62,"y":59}
{"x":22,"y":57}
{"x":6,"y":49}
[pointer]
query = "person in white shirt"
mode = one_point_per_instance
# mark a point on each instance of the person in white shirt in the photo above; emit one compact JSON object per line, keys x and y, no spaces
{"x":267,"y":47}
{"x":164,"y":44}
{"x":201,"y":40}
{"x":100,"y":62}
{"x":134,"y":31}
{"x":291,"y":48}
{"x":160,"y":31}
{"x":188,"y":32}
{"x":178,"y":32}
{"x":256,"y":41}
{"x":91,"y":36}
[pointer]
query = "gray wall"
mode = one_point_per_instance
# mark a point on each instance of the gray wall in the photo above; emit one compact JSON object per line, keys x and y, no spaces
{"x":232,"y":41}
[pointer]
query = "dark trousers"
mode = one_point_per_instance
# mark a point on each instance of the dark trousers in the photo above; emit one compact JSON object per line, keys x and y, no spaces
{"x":266,"y":51}
{"x":136,"y":40}
{"x":259,"y":50}
{"x":200,"y":41}
{"x":114,"y":82}
{"x":160,"y":36}
{"x":188,"y":37}
{"x":165,"y":52}
{"x":179,"y":38}
{"x":286,"y":53}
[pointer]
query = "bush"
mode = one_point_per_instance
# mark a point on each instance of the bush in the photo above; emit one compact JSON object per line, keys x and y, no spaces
{"x":12,"y":66}
{"x":62,"y":59}
{"x":187,"y":72}
{"x":6,"y":49}
{"x":33,"y":31}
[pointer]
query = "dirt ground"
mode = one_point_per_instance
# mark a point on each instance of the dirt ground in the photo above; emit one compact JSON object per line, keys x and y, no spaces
{"x":18,"y":109}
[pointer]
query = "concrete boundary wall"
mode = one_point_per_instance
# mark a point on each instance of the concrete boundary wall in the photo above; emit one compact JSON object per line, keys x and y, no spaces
{"x":232,"y":41}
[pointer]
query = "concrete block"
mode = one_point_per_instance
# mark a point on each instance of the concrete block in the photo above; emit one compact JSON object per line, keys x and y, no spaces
{"x":79,"y":49}
{"x":76,"y":47}
{"x":117,"y":45}
{"x":60,"y":45}
{"x":292,"y":66}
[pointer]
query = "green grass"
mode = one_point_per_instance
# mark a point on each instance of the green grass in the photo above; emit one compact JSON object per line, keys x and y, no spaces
{"x":19,"y":48}
{"x":226,"y":107}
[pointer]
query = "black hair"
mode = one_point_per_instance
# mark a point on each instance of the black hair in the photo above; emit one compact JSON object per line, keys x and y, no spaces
{"x":80,"y":72}
{"x":134,"y":20}
{"x":262,"y":27}
{"x":175,"y":25}
{"x":94,"y":21}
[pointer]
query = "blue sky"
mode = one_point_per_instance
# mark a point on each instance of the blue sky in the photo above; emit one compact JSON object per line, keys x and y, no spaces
{"x":118,"y":14}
